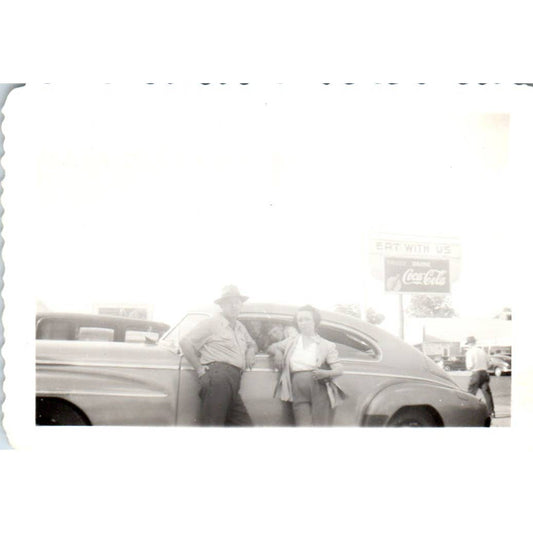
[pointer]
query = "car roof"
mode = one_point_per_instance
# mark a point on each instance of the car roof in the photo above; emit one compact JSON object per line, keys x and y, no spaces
{"x":97,"y":319}
{"x":273,"y":309}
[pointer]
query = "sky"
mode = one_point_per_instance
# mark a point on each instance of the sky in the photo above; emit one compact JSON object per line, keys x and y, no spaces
{"x":162,"y":194}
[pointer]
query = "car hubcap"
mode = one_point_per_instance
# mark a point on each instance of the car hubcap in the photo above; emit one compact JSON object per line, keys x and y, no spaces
{"x":411,"y":424}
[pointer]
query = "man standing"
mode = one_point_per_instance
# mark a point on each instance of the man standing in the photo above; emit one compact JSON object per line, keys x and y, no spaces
{"x":220,"y":349}
{"x":478,"y":361}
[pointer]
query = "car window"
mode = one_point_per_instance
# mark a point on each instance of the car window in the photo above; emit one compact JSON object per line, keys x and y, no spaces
{"x":350,"y":344}
{"x":90,"y":333}
{"x":267,"y":331}
{"x":50,"y":329}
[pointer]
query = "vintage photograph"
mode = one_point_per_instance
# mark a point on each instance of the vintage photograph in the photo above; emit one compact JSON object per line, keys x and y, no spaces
{"x":265,"y":267}
{"x":215,"y":254}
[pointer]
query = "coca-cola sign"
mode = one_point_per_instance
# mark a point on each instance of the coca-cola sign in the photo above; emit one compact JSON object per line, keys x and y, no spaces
{"x":417,"y":275}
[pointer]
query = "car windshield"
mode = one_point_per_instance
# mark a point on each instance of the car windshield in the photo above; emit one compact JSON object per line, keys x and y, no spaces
{"x":172,"y":337}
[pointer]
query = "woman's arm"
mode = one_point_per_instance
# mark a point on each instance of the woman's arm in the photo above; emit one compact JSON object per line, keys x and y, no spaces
{"x":335,"y":366}
{"x":336,"y":370}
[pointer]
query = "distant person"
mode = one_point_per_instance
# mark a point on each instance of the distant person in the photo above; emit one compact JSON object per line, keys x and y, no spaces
{"x":220,"y":349}
{"x":308,"y":365}
{"x":477,"y":361}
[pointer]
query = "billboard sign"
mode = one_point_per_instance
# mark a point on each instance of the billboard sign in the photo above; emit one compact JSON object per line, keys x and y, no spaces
{"x":413,"y":276}
{"x":421,"y":247}
{"x":415,"y":247}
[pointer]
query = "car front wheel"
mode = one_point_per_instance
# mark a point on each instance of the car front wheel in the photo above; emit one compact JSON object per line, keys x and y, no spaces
{"x":498,"y":371}
{"x":57,"y":412}
{"x":412,"y":418}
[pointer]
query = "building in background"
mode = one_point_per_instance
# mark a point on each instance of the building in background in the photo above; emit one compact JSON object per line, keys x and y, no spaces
{"x":141,"y":311}
{"x":443,"y":338}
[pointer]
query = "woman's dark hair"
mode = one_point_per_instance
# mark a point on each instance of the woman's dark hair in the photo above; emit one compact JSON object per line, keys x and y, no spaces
{"x":316,"y":315}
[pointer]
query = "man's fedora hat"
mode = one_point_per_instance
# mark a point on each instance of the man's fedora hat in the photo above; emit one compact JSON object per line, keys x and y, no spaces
{"x":470,"y":340}
{"x":230,"y":291}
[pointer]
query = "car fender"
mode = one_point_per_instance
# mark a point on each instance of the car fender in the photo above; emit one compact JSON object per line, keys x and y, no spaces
{"x":120,"y":396}
{"x":449,"y":406}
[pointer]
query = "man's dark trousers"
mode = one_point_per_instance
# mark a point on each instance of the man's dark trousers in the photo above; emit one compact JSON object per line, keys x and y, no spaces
{"x":480,"y":380}
{"x":221,"y":403}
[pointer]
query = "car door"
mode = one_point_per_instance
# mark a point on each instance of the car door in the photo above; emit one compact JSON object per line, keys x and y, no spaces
{"x":259,"y":383}
{"x":257,"y":387}
{"x":257,"y":392}
{"x":188,"y":401}
{"x":363,"y":375}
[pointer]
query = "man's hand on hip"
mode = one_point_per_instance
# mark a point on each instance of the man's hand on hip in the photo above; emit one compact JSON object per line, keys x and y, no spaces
{"x":250,"y":358}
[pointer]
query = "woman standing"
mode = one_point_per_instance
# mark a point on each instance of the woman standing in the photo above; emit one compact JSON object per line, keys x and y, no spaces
{"x":308,"y":365}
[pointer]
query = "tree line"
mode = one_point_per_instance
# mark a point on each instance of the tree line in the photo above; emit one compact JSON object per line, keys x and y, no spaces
{"x":420,"y":306}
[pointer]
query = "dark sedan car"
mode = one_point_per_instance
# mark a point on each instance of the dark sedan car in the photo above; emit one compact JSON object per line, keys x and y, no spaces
{"x":500,"y":364}
{"x":388,"y":382}
{"x":454,"y":363}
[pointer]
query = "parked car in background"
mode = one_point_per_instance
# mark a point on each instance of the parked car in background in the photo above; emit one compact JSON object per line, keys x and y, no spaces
{"x":92,"y":327}
{"x":500,"y":364}
{"x":454,"y":363}
{"x":388,"y":382}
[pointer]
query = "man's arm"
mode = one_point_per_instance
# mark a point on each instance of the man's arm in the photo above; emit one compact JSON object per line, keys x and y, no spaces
{"x":190,"y":344}
{"x":251,"y":349}
{"x":250,"y":356}
{"x":191,"y":355}
{"x":468,"y":360}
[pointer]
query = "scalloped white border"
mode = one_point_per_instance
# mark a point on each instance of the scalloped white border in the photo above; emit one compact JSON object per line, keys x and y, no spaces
{"x":5,"y":90}
{"x":22,"y":432}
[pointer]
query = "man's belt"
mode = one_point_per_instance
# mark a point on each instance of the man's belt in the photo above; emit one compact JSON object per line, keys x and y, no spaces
{"x":232,"y":367}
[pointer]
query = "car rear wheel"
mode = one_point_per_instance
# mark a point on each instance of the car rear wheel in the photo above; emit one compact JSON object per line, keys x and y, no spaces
{"x":57,"y":412}
{"x":412,"y":417}
{"x":447,"y":368}
{"x":498,"y":371}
